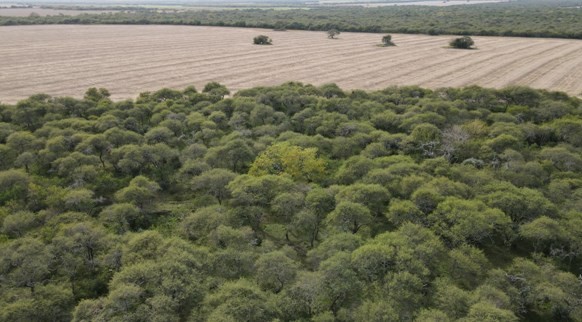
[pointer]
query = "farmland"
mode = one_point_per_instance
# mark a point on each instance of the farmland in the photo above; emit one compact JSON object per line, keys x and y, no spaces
{"x":127,"y":60}
{"x":177,"y":172}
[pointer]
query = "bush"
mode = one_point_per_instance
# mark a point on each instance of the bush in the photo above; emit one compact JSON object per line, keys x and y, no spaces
{"x":387,"y":41}
{"x":262,"y":40}
{"x":464,"y":42}
{"x":332,"y":33}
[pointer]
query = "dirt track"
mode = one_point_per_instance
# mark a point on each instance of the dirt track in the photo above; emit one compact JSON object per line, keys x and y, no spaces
{"x":127,"y":60}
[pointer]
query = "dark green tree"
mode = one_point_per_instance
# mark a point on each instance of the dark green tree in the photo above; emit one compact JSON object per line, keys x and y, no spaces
{"x":262,"y":40}
{"x":464,"y":42}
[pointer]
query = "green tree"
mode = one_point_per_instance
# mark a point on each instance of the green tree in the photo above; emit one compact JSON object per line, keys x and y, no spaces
{"x":471,"y":221}
{"x":332,"y":33}
{"x":216,"y":90}
{"x":122,"y":217}
{"x":214,"y":182}
{"x":25,"y":263}
{"x":286,"y":159}
{"x":94,"y":94}
{"x":258,"y":191}
{"x":79,"y":200}
{"x":240,"y":301}
{"x":338,"y":284}
{"x":350,"y":216}
{"x":153,"y":290}
{"x":468,"y":266}
{"x":341,"y":242}
{"x":375,"y":311}
{"x":262,"y":40}
{"x":18,"y":223}
{"x":450,"y":299}
{"x":521,"y":204}
{"x":13,"y":185}
{"x":274,"y":271}
{"x":489,"y":313}
{"x":198,"y":225}
{"x":464,"y":42}
{"x":373,"y":196}
{"x":22,"y":141}
{"x":401,"y":211}
{"x":235,"y":155}
{"x":543,"y":233}
{"x":374,"y":261}
{"x":387,"y":41}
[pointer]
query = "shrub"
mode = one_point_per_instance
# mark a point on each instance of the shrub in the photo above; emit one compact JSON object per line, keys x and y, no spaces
{"x":262,"y":40}
{"x":387,"y":41}
{"x":464,"y":42}
{"x":332,"y":33}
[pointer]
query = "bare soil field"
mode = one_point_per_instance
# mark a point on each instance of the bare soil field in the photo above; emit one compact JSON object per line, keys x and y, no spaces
{"x":127,"y":60}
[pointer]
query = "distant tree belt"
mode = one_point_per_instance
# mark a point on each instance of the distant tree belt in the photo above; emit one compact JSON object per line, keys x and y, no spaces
{"x":560,"y":19}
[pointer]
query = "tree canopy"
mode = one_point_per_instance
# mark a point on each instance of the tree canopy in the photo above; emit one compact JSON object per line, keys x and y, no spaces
{"x":292,"y":203}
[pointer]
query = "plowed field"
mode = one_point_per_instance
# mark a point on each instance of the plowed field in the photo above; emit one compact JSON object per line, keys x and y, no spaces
{"x":127,"y":60}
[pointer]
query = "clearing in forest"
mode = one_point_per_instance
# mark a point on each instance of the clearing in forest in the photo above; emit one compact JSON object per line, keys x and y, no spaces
{"x":127,"y":60}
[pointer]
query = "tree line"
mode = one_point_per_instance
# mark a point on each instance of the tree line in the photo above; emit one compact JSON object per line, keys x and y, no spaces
{"x":556,"y":19}
{"x":292,"y":203}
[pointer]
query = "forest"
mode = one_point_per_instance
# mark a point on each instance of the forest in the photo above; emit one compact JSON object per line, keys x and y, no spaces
{"x":292,"y":203}
{"x":554,"y":19}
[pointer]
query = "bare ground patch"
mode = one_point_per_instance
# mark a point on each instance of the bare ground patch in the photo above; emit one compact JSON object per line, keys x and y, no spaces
{"x":127,"y":60}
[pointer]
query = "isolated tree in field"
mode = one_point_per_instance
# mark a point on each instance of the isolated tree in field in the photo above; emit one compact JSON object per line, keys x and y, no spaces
{"x":332,"y":33}
{"x":262,"y":40}
{"x":464,"y":42}
{"x":387,"y":41}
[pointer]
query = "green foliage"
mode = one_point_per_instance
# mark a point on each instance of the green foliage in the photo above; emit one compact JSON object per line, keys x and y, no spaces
{"x":214,"y":182}
{"x":274,"y":271}
{"x":262,"y":40}
{"x":373,"y":196}
{"x":285,"y":159}
{"x":332,"y":33}
{"x":350,"y":216}
{"x":240,"y":301}
{"x":292,"y":203}
{"x":460,"y":221}
{"x":13,"y":185}
{"x":387,"y":41}
{"x":464,"y":42}
{"x":140,"y":192}
{"x":526,"y":19}
{"x":122,"y":217}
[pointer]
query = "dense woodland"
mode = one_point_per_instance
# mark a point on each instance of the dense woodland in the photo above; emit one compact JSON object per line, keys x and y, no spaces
{"x":292,"y":203}
{"x":560,"y":19}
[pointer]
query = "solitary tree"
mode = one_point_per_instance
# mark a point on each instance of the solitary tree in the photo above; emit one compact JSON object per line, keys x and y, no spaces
{"x":262,"y":40}
{"x":387,"y":41}
{"x":464,"y":42}
{"x":332,"y":33}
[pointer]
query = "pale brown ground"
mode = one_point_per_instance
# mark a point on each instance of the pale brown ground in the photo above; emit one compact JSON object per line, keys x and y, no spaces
{"x":127,"y":60}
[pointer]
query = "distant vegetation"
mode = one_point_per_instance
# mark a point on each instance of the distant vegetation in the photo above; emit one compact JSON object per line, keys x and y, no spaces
{"x":292,"y":203}
{"x":558,"y":19}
